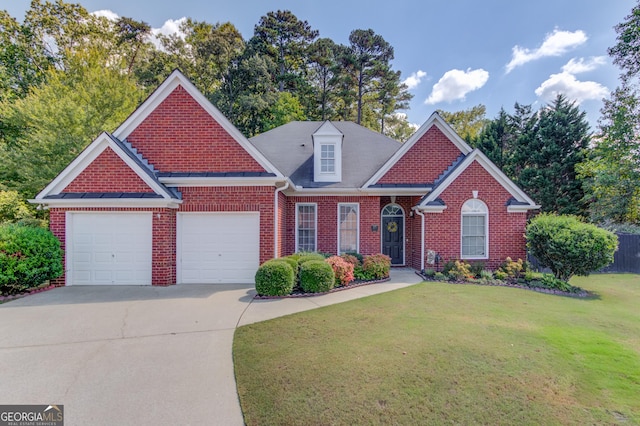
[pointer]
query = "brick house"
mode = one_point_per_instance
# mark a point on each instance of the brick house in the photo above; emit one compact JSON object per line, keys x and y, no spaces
{"x":178,"y":195}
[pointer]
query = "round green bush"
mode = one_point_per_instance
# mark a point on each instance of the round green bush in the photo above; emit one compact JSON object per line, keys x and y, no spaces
{"x":28,"y":257}
{"x":293,"y":262}
{"x":306,"y":257}
{"x":316,"y":276}
{"x":569,"y":246}
{"x":274,"y":278}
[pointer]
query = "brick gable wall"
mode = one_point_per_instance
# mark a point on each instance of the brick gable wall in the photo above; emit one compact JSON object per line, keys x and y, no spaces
{"x":107,"y":173}
{"x":180,"y":136}
{"x":506,"y":230}
{"x":424,"y":161}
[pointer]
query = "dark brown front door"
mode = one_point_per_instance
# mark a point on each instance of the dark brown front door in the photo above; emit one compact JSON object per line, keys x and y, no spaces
{"x":393,"y":238}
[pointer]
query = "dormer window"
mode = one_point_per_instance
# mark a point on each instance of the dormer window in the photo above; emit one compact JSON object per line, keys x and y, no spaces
{"x":327,"y":154}
{"x":327,"y":158}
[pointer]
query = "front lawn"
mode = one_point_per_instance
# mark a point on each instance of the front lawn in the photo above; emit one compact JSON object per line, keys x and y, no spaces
{"x":438,"y":353}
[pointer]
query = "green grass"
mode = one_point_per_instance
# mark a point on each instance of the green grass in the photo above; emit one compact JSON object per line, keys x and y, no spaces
{"x":437,"y":353}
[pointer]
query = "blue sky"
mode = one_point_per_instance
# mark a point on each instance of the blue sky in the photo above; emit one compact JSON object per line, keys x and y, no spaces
{"x":454,"y":54}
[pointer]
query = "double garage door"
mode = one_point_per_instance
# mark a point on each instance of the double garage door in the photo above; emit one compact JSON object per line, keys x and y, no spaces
{"x":116,"y":248}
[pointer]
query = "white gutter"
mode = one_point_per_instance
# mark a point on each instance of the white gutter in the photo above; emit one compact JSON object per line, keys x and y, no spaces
{"x":421,"y":214}
{"x":275,"y":218}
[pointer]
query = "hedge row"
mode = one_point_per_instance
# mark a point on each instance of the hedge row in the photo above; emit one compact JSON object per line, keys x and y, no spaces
{"x":316,"y":273}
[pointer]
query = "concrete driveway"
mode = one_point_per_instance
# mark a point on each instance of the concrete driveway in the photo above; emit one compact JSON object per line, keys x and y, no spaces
{"x":139,"y":355}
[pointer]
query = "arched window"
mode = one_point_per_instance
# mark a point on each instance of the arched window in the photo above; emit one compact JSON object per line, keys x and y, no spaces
{"x":475,"y":230}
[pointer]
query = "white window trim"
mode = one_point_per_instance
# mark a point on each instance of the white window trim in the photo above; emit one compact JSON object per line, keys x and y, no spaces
{"x":357,"y":206}
{"x":315,"y":209}
{"x":486,"y":230}
{"x":333,"y":158}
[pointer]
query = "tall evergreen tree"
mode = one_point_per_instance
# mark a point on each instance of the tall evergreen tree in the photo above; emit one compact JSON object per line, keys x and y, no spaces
{"x":370,"y":55}
{"x":549,"y":174}
{"x":494,"y":139}
{"x":285,"y":39}
{"x":612,"y":170}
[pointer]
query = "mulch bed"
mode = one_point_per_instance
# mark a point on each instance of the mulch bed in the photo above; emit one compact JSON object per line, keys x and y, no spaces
{"x":26,"y":293}
{"x":299,"y":293}
{"x":582,"y":294}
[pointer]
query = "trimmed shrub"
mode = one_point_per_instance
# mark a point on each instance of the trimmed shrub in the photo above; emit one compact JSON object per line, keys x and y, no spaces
{"x":376,"y":266}
{"x":342,"y":269}
{"x":293,"y":262}
{"x":569,"y":246}
{"x":28,"y":257}
{"x":349,"y":258}
{"x":307,"y":256}
{"x":356,"y":255}
{"x":274,"y":278}
{"x":316,"y":276}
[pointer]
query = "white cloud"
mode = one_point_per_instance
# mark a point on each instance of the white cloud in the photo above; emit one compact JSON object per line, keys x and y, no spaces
{"x":555,"y":44}
{"x":577,"y":66}
{"x":455,"y":84}
{"x":170,"y":26}
{"x":414,"y":79}
{"x":112,"y":16}
{"x":566,"y":83}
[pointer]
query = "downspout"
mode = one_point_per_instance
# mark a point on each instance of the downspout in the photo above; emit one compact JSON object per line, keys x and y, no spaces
{"x":421,"y":239}
{"x":275,"y":218}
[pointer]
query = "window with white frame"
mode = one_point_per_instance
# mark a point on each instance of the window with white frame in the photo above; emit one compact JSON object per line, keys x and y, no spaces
{"x":327,"y":158}
{"x":475,"y":239}
{"x":348,"y":223}
{"x":306,"y":227}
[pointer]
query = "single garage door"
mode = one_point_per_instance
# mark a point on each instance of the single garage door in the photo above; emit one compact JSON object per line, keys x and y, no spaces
{"x":109,"y":248}
{"x":218,"y":247}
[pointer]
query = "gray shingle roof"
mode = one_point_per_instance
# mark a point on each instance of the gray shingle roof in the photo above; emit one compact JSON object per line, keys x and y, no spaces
{"x":290,"y":149}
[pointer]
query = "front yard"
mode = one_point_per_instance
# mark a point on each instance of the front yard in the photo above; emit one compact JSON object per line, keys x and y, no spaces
{"x":438,"y":353}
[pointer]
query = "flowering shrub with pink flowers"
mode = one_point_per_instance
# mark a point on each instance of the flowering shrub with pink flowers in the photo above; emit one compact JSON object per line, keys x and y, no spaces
{"x":342,"y":269}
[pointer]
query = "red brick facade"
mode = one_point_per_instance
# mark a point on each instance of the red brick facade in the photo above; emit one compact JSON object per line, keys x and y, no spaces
{"x":506,"y":230}
{"x":121,"y":177}
{"x":180,"y":136}
{"x":424,"y":161}
{"x":327,"y":226}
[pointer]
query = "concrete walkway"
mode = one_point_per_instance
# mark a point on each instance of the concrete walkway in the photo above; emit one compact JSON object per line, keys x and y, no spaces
{"x":140,"y":355}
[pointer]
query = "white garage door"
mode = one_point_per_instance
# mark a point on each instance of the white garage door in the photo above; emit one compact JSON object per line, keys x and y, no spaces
{"x":109,"y":248}
{"x":218,"y":247}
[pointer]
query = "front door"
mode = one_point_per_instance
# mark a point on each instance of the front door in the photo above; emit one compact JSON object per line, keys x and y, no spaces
{"x":393,"y":233}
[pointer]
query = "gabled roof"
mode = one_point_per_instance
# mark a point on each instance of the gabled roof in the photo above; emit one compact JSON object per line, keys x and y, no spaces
{"x":519,"y":201}
{"x":434,"y":120}
{"x":164,"y":90}
{"x":52,"y":194}
{"x":290,"y":149}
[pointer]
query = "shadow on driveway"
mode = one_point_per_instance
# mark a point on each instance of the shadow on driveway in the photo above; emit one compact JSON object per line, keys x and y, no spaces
{"x":123,"y":293}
